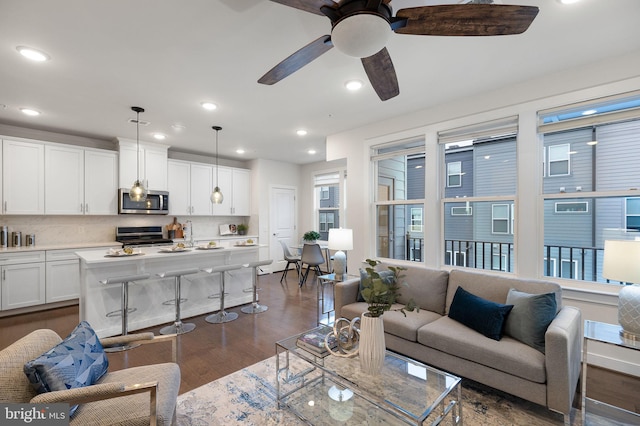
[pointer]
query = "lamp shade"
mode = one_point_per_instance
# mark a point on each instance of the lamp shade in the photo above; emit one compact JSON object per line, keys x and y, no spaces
{"x":622,"y":263}
{"x":340,"y":239}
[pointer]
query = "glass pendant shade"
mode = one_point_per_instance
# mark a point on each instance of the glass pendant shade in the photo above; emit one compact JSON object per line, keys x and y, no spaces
{"x":138,"y":192}
{"x":216,"y":195}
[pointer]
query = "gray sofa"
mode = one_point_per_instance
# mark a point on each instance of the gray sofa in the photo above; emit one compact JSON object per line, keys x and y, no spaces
{"x":430,"y":336}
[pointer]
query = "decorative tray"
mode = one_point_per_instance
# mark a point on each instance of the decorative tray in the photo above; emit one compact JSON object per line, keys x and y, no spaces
{"x":120,"y":253}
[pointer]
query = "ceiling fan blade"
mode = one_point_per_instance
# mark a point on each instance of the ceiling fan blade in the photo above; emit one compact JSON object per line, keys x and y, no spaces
{"x":297,"y":60}
{"x":382,"y":75}
{"x":466,"y":19}
{"x":312,"y":6}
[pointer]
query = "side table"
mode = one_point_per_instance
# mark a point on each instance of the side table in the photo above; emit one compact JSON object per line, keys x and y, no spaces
{"x":326,"y":314}
{"x":595,"y":331}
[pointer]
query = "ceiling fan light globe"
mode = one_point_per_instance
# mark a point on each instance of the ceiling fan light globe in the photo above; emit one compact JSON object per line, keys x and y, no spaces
{"x":138,"y":192}
{"x":216,"y":196}
{"x":361,"y":35}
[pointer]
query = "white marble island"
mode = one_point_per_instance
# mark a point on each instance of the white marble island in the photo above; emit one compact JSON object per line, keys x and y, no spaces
{"x":147,"y":296}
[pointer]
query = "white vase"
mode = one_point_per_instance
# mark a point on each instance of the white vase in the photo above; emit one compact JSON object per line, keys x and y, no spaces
{"x":371,"y":346}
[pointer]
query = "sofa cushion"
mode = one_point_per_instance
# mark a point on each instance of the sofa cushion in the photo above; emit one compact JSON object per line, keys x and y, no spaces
{"x":530,"y":317}
{"x":507,"y":355}
{"x":78,"y":361}
{"x":482,"y":315}
{"x":427,"y":287}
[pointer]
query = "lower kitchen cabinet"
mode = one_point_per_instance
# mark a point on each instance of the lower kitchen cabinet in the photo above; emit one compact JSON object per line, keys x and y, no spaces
{"x":63,"y":280}
{"x":23,"y":285}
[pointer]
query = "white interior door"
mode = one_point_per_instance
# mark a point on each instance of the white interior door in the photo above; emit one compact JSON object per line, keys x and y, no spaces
{"x":282,"y":211}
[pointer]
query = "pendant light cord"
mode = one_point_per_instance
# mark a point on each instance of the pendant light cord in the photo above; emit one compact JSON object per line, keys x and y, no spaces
{"x":138,"y":146}
{"x":217,"y":159}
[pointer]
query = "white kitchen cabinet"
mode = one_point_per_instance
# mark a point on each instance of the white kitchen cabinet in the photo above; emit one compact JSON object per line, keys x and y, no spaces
{"x":152,"y":163}
{"x":22,"y":277}
{"x":80,"y":181}
{"x":62,"y":275}
{"x":189,"y":188}
{"x":22,"y":177}
{"x":235,"y":185}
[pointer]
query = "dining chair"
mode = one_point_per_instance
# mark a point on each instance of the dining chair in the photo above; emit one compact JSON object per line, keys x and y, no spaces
{"x":291,"y":260}
{"x":313,"y":257}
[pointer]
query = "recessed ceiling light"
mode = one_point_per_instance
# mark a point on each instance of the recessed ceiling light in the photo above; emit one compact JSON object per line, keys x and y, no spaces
{"x":589,"y":112}
{"x":568,"y":1}
{"x":210,"y":106}
{"x":311,"y":151}
{"x":178,"y":127}
{"x":239,"y":151}
{"x":301,"y":132}
{"x":29,"y":111}
{"x":353,"y":85}
{"x":159,"y":136}
{"x":33,"y":54}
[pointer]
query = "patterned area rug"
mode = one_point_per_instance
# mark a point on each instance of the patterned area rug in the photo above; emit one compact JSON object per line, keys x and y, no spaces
{"x":248,"y":397}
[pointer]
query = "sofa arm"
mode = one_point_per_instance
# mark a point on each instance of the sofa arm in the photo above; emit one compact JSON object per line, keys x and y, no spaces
{"x":563,"y":347}
{"x":345,"y":292}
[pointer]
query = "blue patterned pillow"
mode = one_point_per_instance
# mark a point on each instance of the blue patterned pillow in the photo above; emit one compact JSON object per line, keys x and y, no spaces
{"x":78,"y":361}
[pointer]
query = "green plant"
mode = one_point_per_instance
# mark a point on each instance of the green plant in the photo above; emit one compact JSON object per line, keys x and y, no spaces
{"x":311,"y":236}
{"x":242,"y":227}
{"x":381,"y":293}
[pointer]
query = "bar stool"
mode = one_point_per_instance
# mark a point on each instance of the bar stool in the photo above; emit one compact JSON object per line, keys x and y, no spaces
{"x":255,"y":308}
{"x":124,"y":310}
{"x":221,"y":316}
{"x":178,"y":327}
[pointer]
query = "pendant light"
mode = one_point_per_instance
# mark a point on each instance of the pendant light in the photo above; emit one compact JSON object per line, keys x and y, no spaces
{"x":216,"y":195}
{"x":138,"y":192}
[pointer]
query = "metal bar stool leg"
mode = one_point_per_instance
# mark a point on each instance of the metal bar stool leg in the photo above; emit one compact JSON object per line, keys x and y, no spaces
{"x":255,"y":308}
{"x":222,"y":316}
{"x":178,"y":327}
{"x":124,"y":307}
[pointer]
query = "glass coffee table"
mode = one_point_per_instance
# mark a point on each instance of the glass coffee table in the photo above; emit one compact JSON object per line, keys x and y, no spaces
{"x":325,"y":389}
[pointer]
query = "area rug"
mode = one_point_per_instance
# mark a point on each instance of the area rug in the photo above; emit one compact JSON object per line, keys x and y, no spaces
{"x":248,"y":397}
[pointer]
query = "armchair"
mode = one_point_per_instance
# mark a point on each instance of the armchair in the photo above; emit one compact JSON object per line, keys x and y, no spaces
{"x":133,"y":396}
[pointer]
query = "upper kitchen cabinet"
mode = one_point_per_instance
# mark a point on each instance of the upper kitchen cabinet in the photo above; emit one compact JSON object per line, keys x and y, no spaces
{"x":22,"y":177}
{"x":80,"y":181}
{"x":152,"y":163}
{"x":235,"y":185}
{"x":190,"y":186}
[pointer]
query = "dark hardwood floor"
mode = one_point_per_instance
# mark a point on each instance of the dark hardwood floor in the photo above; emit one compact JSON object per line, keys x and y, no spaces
{"x":212,"y":351}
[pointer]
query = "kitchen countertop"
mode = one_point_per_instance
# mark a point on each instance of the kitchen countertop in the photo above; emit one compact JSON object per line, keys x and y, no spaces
{"x":59,"y":246}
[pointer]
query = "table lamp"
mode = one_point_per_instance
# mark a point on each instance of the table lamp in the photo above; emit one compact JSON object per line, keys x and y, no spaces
{"x":340,"y":239}
{"x":622,"y":263}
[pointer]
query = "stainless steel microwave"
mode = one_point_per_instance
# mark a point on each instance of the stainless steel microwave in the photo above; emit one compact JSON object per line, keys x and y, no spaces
{"x":157,"y":202}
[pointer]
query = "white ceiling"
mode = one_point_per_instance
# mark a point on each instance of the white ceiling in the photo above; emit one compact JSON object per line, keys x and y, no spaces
{"x":168,"y":56}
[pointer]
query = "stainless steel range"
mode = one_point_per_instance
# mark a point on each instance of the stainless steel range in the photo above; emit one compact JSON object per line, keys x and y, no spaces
{"x":141,"y":236}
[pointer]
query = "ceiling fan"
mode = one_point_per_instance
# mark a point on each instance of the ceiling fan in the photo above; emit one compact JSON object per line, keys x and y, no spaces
{"x":361,"y":28}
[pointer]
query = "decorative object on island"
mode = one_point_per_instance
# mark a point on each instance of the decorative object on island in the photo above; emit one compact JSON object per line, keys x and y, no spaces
{"x":138,"y":192}
{"x":622,"y":263}
{"x":216,"y":195}
{"x":311,"y":237}
{"x":242,"y":229}
{"x":340,"y":239}
{"x":380,"y":290}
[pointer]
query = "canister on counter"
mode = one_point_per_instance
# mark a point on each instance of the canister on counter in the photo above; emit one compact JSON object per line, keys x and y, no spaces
{"x":31,"y":240}
{"x":4,"y":236}
{"x":16,"y":239}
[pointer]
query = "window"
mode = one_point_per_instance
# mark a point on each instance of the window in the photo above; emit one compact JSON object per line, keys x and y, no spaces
{"x":454,"y":174}
{"x":461,"y":211}
{"x":399,"y":199}
{"x":324,"y":193}
{"x":328,"y":201}
{"x":459,"y":258}
{"x":632,"y":213}
{"x":416,"y":219}
{"x":589,"y":194}
{"x":500,"y":218}
{"x":327,"y":221}
{"x":559,"y":160}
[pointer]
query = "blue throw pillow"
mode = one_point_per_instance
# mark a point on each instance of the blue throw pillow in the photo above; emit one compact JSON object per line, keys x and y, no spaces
{"x":484,"y":316}
{"x":530,"y":317}
{"x":384,"y":275}
{"x":78,"y":361}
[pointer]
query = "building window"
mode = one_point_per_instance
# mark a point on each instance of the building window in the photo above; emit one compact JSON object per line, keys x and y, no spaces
{"x":416,"y":219}
{"x":575,"y":207}
{"x":559,"y":160}
{"x":327,"y":221}
{"x":454,"y":174}
{"x":500,"y":218}
{"x":461,"y":211}
{"x":550,"y":267}
{"x":324,"y":192}
{"x":633,"y":213}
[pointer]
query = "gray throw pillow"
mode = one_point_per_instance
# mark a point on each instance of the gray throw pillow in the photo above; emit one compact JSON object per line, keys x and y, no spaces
{"x":530,"y":317}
